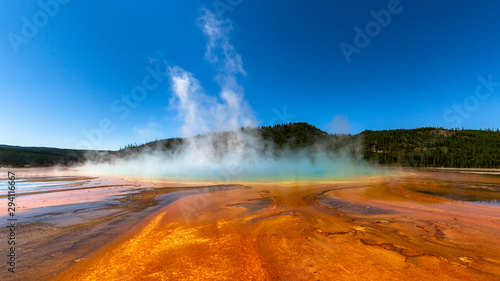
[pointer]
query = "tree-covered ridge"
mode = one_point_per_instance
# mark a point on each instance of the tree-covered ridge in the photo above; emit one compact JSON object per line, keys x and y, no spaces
{"x":422,"y":147}
{"x":16,"y":156}
{"x":433,"y":147}
{"x":293,"y":134}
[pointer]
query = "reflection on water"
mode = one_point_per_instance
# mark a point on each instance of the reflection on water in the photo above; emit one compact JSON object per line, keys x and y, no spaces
{"x":351,"y":207}
{"x":435,"y":191}
{"x":493,"y":202}
{"x":485,"y":194}
{"x":49,"y":182}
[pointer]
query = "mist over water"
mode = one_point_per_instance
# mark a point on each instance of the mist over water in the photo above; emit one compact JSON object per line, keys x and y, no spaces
{"x":243,"y":156}
{"x":215,"y":147}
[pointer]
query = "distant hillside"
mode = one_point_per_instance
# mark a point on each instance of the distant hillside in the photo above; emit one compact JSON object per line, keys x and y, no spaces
{"x":433,"y":147}
{"x":18,"y":156}
{"x":422,"y":147}
{"x":293,"y":134}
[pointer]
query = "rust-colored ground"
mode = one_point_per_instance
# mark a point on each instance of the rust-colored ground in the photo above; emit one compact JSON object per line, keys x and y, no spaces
{"x":416,"y":226}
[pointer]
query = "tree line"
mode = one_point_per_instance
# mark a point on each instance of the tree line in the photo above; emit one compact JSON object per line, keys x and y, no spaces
{"x":422,"y":147}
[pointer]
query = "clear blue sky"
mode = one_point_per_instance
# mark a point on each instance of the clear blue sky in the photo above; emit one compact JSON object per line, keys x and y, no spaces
{"x":414,"y":72}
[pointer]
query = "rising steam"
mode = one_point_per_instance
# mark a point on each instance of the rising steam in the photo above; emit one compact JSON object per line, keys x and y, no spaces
{"x":215,"y":145}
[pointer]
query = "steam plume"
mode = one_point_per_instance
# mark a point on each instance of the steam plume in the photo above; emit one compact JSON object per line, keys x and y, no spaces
{"x":215,"y":147}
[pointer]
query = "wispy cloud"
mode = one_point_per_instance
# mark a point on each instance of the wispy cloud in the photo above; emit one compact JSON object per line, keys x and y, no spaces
{"x":219,"y":50}
{"x":150,"y":132}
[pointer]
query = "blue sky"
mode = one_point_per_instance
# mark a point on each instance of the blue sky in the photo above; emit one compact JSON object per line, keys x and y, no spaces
{"x":421,"y":68}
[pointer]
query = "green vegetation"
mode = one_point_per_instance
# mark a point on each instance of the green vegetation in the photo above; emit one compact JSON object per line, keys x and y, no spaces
{"x":17,"y":156}
{"x":433,"y":147}
{"x":296,"y":135}
{"x":422,"y":147}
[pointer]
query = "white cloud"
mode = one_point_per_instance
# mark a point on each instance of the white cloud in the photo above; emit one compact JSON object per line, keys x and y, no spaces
{"x":219,"y":50}
{"x":150,"y":132}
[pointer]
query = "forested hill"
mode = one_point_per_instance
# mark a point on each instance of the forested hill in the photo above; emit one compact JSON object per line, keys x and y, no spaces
{"x":422,"y":147}
{"x":434,"y":147}
{"x":19,"y":156}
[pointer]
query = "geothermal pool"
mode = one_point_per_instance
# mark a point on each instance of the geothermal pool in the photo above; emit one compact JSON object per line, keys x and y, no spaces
{"x":406,"y":225}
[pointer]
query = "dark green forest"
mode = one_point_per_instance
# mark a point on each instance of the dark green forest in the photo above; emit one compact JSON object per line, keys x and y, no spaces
{"x":18,"y":156}
{"x":433,"y":147}
{"x":422,"y":147}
